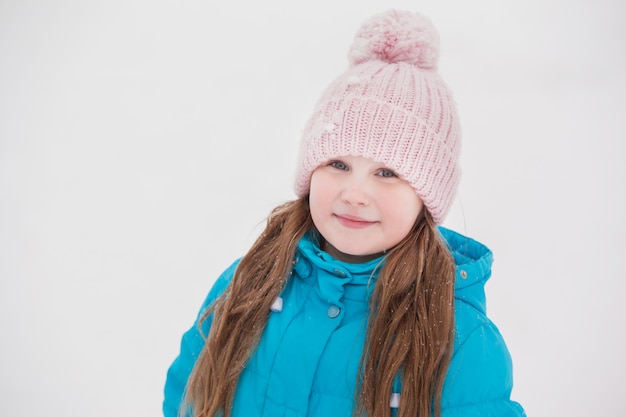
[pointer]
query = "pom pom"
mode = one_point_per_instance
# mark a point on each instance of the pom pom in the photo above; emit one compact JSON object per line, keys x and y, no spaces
{"x":397,"y":36}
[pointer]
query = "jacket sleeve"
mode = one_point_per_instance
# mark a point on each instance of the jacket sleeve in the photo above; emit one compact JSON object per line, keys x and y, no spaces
{"x":480,"y":377}
{"x":190,"y":347}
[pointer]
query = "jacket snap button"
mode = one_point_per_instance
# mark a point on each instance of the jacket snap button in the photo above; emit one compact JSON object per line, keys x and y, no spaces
{"x":333,"y":311}
{"x":340,"y":273}
{"x":463,"y":274}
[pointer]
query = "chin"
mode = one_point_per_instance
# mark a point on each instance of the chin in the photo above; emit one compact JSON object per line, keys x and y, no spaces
{"x":360,"y":252}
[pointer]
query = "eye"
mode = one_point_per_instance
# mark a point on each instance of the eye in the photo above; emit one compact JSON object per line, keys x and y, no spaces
{"x":339,"y":165}
{"x":387,"y":173}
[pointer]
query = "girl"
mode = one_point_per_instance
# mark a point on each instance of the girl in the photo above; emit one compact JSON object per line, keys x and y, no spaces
{"x":352,"y":301}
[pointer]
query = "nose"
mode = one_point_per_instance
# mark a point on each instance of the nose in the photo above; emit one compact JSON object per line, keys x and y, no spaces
{"x":355,"y":193}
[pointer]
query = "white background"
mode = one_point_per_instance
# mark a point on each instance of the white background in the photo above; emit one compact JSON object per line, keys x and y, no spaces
{"x":142,"y":144}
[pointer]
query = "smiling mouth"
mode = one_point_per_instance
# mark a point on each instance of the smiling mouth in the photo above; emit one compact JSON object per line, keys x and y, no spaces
{"x":353,"y":222}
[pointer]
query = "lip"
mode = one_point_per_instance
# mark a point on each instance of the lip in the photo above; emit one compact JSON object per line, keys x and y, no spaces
{"x":353,"y":222}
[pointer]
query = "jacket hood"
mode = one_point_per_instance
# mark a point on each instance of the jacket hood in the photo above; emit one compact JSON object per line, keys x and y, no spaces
{"x":473,"y":267}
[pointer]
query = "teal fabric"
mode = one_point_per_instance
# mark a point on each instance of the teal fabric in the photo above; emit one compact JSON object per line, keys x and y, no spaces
{"x":307,"y":360}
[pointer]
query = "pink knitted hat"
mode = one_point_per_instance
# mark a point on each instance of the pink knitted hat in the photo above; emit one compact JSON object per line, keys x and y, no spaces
{"x":390,"y":106}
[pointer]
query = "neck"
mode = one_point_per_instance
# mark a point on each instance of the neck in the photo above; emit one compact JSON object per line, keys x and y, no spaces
{"x":346,"y":257}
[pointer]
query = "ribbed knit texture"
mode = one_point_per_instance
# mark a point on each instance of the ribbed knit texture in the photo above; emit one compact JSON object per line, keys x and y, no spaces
{"x":394,"y":112}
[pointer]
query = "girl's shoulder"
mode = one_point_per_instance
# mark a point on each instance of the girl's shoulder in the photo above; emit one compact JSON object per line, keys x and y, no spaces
{"x":480,"y":376}
{"x":219,"y":286}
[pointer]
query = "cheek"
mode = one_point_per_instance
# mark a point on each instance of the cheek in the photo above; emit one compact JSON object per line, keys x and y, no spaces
{"x":416,"y":206}
{"x":318,"y":194}
{"x":405,"y":207}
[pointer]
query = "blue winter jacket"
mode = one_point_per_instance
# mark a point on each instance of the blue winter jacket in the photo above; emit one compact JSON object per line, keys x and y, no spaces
{"x":307,"y":359}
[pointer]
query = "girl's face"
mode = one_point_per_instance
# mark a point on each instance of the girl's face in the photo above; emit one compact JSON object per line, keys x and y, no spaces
{"x":361,"y":207}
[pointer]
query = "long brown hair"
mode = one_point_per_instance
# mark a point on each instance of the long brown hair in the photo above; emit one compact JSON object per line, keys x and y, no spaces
{"x":409,"y":333}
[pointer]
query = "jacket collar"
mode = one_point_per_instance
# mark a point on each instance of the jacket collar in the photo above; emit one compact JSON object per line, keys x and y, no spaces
{"x":309,"y":254}
{"x":473,"y":266}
